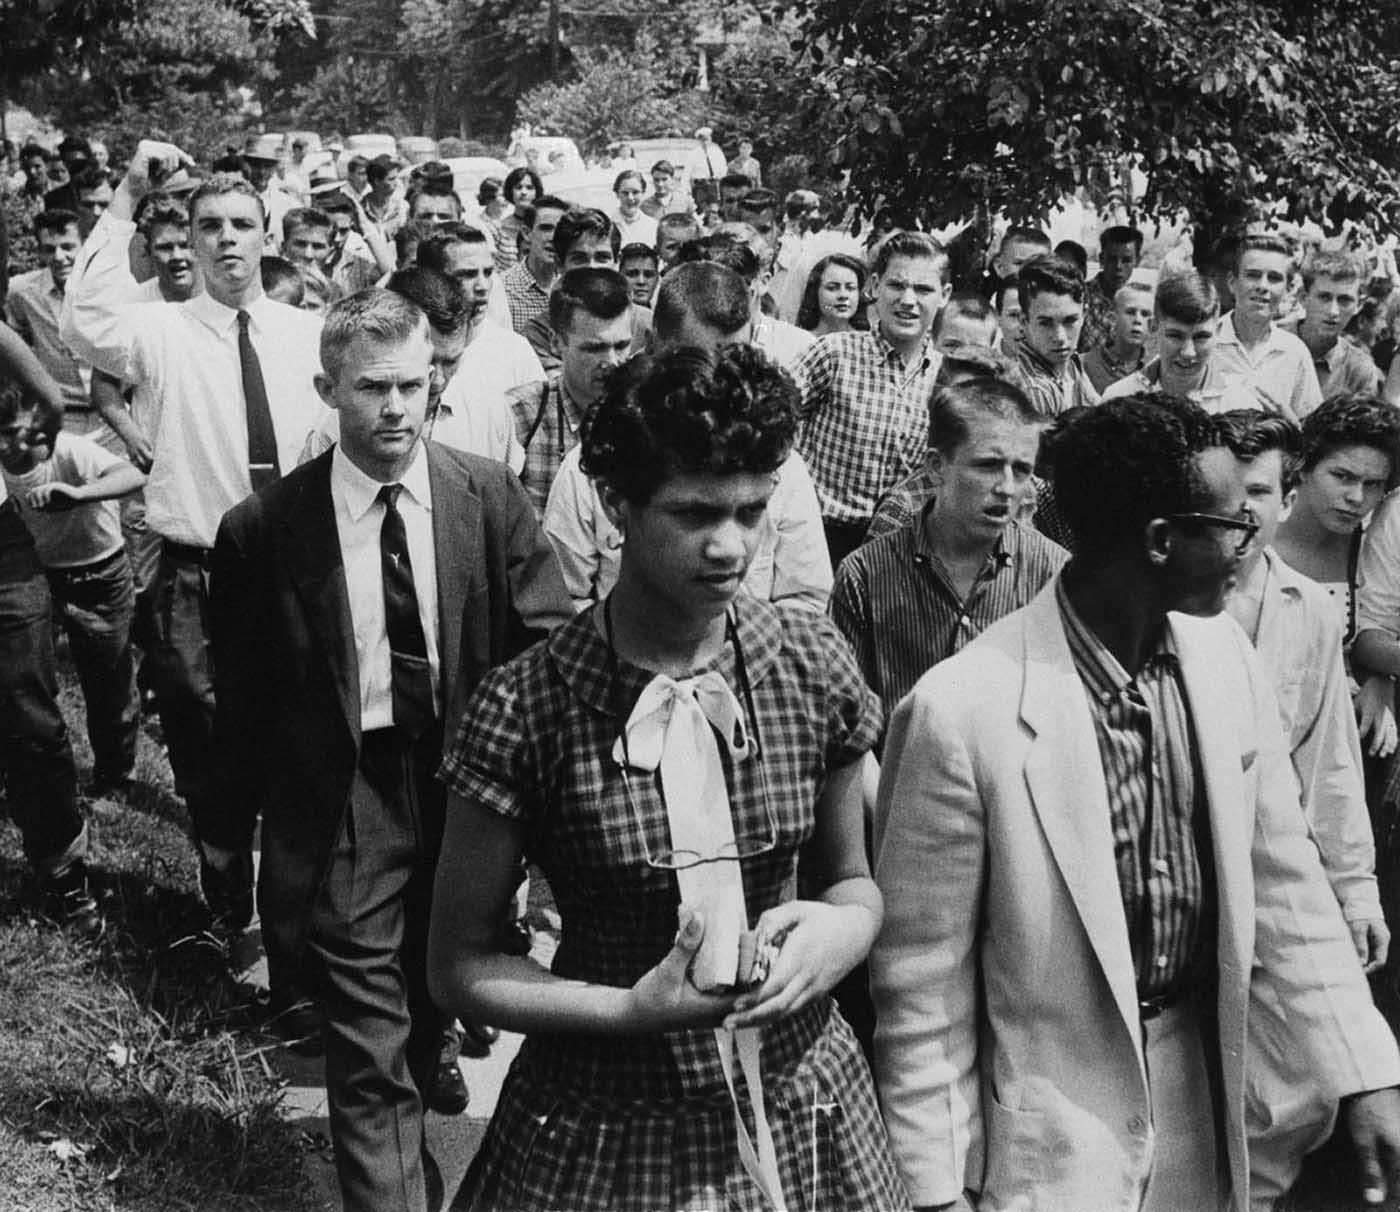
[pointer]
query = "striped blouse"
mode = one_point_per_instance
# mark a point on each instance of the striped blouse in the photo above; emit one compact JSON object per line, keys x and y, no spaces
{"x":1157,"y":806}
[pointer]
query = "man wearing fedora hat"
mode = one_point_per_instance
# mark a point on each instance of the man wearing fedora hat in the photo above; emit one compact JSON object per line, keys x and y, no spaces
{"x":262,"y":154}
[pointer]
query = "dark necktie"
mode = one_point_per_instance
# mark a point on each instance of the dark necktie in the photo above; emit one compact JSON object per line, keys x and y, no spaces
{"x":412,"y":685}
{"x":262,"y":440}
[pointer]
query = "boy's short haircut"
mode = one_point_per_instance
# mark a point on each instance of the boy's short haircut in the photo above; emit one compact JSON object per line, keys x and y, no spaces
{"x":1026,"y":235}
{"x":164,"y":211}
{"x":912,"y":244}
{"x":637,"y":251}
{"x":756,"y":201}
{"x":1263,"y":242}
{"x":1075,"y":253}
{"x":55,"y":221}
{"x":1119,"y":235}
{"x":594,"y":290}
{"x":1336,"y":264}
{"x":305,"y":216}
{"x":1136,"y":287}
{"x":548,"y":202}
{"x":1186,"y":297}
{"x":663,"y":166}
{"x":1047,"y":274}
{"x":582,"y":223}
{"x":1249,"y":433}
{"x":733,"y":181}
{"x":965,"y":303}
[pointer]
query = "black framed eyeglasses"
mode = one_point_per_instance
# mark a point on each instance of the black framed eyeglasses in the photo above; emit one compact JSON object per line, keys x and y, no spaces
{"x":1247,"y":526}
{"x":741,"y":847}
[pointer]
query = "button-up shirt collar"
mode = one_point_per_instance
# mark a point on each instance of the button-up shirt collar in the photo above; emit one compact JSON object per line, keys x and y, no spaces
{"x":360,"y":491}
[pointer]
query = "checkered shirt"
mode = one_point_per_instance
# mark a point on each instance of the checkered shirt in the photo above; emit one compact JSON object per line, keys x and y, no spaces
{"x":1052,"y":392}
{"x":865,"y":418}
{"x":582,"y":1122}
{"x":525,"y":297}
{"x":1097,"y":328}
{"x":556,"y":434}
{"x":903,"y":503}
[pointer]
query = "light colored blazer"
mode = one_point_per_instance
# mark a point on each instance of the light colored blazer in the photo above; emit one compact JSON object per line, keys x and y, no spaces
{"x":1009,"y":1052}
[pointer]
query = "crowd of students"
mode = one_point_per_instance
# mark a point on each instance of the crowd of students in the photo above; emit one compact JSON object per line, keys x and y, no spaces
{"x":788,"y":603}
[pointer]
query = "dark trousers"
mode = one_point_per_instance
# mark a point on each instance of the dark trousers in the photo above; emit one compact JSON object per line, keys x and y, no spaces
{"x":143,"y":551}
{"x":182,"y":675}
{"x":41,"y":784}
{"x":369,"y":937}
{"x":94,"y":604}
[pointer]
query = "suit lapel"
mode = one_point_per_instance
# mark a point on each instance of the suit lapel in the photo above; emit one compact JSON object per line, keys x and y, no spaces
{"x":319,"y":575}
{"x":457,"y":541}
{"x":1066,"y":782}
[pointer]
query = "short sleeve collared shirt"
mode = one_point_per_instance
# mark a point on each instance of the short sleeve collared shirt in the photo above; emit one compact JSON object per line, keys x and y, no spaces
{"x":1279,"y":371}
{"x":865,"y":418}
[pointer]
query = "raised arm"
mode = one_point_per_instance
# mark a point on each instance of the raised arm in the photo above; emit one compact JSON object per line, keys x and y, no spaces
{"x":98,"y":321}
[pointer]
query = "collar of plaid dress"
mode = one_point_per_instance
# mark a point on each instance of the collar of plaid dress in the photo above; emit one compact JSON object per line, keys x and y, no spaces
{"x":670,"y":730}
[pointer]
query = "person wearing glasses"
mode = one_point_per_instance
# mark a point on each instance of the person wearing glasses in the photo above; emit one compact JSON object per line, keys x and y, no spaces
{"x":1105,"y":918}
{"x":666,"y":758}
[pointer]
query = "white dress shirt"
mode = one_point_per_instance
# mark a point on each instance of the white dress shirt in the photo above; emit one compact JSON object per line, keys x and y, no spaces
{"x":791,"y":563}
{"x":183,"y":360}
{"x":1279,"y":371}
{"x":359,"y":516}
{"x":1299,"y":642}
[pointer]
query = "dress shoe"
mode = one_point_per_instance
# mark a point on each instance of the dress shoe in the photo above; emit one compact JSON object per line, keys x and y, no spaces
{"x":476,"y":1039}
{"x":229,"y":894}
{"x":70,"y":902}
{"x":447,"y":1095}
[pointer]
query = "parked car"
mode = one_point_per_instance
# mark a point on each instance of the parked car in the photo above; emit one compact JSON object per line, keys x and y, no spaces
{"x":417,"y":149}
{"x":546,"y":146}
{"x":468,"y":172}
{"x":686,"y":154}
{"x":369,"y":146}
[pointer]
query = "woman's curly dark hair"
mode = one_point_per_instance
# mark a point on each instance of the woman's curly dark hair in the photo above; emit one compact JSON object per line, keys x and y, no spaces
{"x":1352,"y":420}
{"x":689,"y":411}
{"x":1125,"y":462}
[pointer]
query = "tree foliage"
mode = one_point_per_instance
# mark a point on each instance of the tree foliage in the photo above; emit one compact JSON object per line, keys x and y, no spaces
{"x":953,"y":107}
{"x":123,"y":69}
{"x":613,"y":96}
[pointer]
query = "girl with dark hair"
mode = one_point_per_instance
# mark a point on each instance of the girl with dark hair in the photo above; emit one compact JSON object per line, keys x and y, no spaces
{"x":522,"y":189}
{"x":832,"y":300}
{"x":665,"y":758}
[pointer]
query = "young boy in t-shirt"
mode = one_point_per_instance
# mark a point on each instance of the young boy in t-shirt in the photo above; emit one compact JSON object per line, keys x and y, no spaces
{"x":67,"y":487}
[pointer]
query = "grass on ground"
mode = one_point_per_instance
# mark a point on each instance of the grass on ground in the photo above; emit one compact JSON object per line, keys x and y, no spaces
{"x":132,"y":1072}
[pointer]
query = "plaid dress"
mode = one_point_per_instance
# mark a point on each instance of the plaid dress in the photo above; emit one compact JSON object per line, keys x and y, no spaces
{"x":644,"y":1123}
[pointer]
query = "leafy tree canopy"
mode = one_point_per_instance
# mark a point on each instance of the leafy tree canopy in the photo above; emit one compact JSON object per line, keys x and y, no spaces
{"x":955,"y":107}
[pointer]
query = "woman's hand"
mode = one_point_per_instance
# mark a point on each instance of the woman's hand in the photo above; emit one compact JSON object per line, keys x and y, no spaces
{"x":1375,"y":716}
{"x":818,"y":943}
{"x":665,"y":999}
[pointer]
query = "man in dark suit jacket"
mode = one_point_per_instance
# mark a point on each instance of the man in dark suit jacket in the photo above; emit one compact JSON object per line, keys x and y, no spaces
{"x":356,"y":603}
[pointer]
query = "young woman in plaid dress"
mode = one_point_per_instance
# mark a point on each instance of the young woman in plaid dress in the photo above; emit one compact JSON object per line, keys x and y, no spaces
{"x":618,"y":1098}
